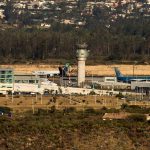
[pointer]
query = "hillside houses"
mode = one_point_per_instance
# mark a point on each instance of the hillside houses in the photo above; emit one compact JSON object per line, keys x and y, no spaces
{"x":64,"y":11}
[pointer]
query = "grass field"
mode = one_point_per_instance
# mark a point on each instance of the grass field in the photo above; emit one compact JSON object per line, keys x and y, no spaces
{"x":72,"y":123}
{"x":95,"y":70}
{"x":69,"y":129}
{"x":25,"y":103}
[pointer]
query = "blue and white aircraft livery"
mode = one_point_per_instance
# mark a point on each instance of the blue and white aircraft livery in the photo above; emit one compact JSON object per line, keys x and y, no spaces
{"x":128,"y":79}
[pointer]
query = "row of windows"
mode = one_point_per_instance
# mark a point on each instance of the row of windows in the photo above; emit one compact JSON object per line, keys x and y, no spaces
{"x":18,"y":81}
{"x":26,"y":81}
{"x":6,"y":81}
{"x":6,"y":86}
{"x":6,"y":72}
{"x":110,"y":79}
{"x":6,"y":76}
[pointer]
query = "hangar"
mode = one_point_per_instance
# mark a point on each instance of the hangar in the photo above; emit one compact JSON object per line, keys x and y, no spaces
{"x":141,"y":86}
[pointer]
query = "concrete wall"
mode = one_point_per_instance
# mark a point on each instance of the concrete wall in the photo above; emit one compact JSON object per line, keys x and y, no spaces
{"x":135,"y":84}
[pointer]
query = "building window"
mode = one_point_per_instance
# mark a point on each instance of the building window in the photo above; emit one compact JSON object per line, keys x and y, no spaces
{"x":2,"y":76}
{"x":24,"y":81}
{"x":17,"y":81}
{"x":2,"y":80}
{"x":31,"y":81}
{"x":8,"y":81}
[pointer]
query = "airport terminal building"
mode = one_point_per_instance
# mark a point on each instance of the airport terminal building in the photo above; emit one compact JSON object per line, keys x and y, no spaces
{"x":6,"y":79}
{"x":9,"y":81}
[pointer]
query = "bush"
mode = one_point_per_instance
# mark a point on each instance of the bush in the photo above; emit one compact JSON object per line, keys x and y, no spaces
{"x":124,"y":106}
{"x":41,"y":112}
{"x":2,"y":95}
{"x":92,"y":93}
{"x":137,"y":117}
{"x":90,"y":110}
{"x":120,"y":95}
{"x":16,"y":96}
{"x":136,"y":109}
{"x":104,"y":108}
{"x":53,"y":109}
{"x":69,"y":110}
{"x":5,"y":109}
{"x":112,"y":110}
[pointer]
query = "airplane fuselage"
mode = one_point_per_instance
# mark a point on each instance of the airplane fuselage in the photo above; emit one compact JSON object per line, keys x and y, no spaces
{"x":128,"y":79}
{"x":50,"y":73}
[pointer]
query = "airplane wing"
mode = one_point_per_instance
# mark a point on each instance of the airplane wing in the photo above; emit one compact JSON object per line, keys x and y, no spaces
{"x":45,"y":72}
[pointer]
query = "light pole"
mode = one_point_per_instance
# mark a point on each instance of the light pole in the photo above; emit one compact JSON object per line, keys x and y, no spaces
{"x":41,"y":99}
{"x":33,"y":106}
{"x":92,"y":81}
{"x":95,"y":98}
{"x":135,"y":62}
{"x":12,"y":97}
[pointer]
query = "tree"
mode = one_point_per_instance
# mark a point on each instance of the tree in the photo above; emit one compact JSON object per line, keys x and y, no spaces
{"x":9,"y":11}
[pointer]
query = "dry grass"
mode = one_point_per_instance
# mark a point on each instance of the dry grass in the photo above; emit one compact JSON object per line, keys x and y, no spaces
{"x":79,"y":102}
{"x":95,"y":70}
{"x":125,"y":69}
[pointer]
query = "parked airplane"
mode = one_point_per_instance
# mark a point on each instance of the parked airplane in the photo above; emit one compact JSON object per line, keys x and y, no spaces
{"x":62,"y":72}
{"x":47,"y":73}
{"x":128,"y":79}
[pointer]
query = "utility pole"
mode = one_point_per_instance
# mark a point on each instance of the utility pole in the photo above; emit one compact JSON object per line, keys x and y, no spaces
{"x":135,"y":62}
{"x":33,"y":106}
{"x":70,"y":98}
{"x":12,"y":97}
{"x":92,"y":82}
{"x":36,"y":97}
{"x":133,"y":69}
{"x":41,"y":99}
{"x":95,"y":98}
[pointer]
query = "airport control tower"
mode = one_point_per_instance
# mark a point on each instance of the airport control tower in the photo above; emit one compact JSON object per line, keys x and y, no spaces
{"x":82,"y":54}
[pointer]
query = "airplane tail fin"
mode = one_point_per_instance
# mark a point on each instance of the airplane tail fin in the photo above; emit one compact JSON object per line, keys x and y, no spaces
{"x":63,"y":71}
{"x":118,"y":73}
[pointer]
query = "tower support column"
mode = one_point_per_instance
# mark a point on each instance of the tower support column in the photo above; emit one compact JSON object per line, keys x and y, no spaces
{"x":81,"y":72}
{"x":82,"y":54}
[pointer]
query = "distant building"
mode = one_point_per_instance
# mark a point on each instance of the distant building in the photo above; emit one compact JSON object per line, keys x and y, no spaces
{"x":108,"y":79}
{"x":110,"y":116}
{"x":121,"y":115}
{"x":68,"y":21}
{"x":141,"y":86}
{"x":6,"y":79}
{"x":32,"y":79}
{"x":45,"y":25}
{"x":2,"y":14}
